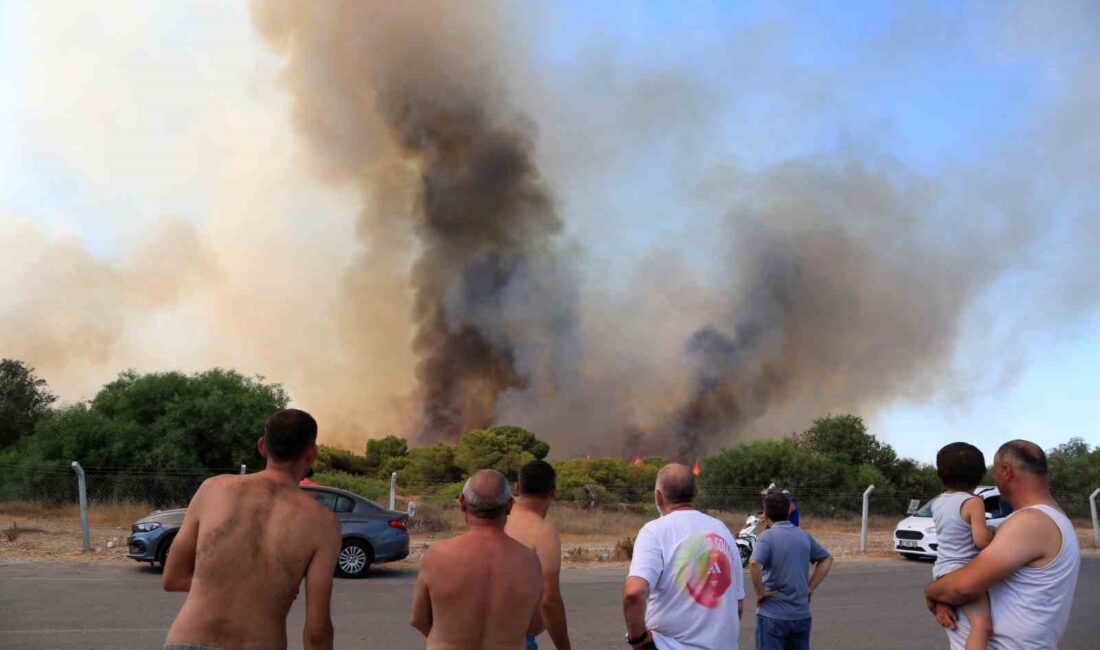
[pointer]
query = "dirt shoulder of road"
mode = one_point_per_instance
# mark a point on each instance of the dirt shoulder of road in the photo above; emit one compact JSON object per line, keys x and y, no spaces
{"x":590,"y":538}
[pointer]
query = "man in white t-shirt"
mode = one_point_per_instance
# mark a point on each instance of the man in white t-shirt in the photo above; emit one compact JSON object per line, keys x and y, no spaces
{"x":685,"y":589}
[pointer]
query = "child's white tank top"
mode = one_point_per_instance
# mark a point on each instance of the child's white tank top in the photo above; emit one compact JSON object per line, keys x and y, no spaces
{"x":953,"y":535}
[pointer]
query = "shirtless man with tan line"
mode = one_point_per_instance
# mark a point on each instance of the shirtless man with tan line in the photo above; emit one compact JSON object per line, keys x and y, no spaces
{"x":245,"y":546}
{"x":481,"y":589}
{"x":527,"y":524}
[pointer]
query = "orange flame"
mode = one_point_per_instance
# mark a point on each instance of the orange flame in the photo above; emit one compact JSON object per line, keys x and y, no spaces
{"x":637,"y":460}
{"x":695,"y":467}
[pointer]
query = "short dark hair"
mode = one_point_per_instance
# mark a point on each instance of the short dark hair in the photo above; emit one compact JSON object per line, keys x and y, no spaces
{"x":777,"y":506}
{"x":1027,"y":455}
{"x":288,"y":434}
{"x":537,"y":479}
{"x":960,"y":466}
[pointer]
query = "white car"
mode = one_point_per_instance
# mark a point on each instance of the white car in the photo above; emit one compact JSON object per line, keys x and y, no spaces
{"x":915,"y":536}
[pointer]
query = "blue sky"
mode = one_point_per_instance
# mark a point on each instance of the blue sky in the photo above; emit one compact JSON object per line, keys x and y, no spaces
{"x":933,"y":87}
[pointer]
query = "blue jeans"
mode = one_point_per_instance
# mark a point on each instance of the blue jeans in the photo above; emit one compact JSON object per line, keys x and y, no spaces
{"x":532,"y":644}
{"x":775,"y":634}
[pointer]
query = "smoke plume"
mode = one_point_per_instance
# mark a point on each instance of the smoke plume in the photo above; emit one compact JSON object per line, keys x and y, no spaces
{"x":487,"y":306}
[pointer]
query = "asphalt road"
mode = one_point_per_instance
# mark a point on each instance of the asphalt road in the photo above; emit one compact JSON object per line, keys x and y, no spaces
{"x":873,"y":605}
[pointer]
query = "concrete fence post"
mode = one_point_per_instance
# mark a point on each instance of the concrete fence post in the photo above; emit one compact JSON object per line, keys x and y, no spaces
{"x":244,"y":469}
{"x":393,"y":490}
{"x":1095,"y":520}
{"x":863,"y":526}
{"x":82,"y":489}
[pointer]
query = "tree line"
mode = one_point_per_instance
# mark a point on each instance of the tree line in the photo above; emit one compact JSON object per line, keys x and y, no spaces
{"x":210,"y":421}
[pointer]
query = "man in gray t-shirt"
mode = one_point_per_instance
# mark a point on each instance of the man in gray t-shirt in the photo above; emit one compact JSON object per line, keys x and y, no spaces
{"x":780,"y":572}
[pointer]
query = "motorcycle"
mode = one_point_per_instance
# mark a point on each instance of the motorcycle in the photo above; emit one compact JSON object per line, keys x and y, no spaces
{"x":746,"y":539}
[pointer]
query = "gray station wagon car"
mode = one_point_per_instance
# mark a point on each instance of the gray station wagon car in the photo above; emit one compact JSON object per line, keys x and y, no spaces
{"x":371,"y":533}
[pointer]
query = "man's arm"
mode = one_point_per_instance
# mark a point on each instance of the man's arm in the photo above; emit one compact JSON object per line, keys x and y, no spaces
{"x":821,"y":569}
{"x":822,"y":562}
{"x":553,"y":605}
{"x":180,"y":566}
{"x":422,"y":602}
{"x":757,"y":573}
{"x":318,"y":632}
{"x":646,"y":566}
{"x":1020,"y":541}
{"x":635,"y":594}
{"x":973,"y":510}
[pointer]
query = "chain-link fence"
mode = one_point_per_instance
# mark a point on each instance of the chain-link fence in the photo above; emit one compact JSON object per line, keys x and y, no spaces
{"x":55,"y":484}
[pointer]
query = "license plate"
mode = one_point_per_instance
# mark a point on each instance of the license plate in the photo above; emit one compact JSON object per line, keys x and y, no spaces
{"x":907,"y":543}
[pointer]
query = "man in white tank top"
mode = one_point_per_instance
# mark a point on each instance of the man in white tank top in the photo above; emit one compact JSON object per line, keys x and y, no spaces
{"x":1030,"y":568}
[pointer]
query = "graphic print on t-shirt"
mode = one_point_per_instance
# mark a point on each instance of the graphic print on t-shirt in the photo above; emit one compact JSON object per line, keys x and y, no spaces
{"x":703,"y":569}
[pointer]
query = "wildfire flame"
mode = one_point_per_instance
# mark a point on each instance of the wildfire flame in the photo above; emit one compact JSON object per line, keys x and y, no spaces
{"x":695,"y":467}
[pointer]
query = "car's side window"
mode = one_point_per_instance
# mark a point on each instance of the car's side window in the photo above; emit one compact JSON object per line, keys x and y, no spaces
{"x":993,"y":504}
{"x":344,"y":504}
{"x":997,"y":508}
{"x":324,"y":498}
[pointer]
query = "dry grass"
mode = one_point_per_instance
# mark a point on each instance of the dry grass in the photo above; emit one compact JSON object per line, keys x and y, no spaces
{"x":51,"y":533}
{"x":112,"y":515}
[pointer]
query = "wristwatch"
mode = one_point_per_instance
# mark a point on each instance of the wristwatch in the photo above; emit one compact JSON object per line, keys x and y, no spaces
{"x":636,"y":640}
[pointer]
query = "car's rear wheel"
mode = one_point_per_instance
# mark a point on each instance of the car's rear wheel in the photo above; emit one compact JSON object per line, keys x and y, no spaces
{"x":162,"y":552}
{"x":355,"y":559}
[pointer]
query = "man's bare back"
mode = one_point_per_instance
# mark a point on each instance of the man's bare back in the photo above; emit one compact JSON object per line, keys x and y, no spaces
{"x":484,"y":590}
{"x":481,"y":589}
{"x":245,"y":546}
{"x":539,"y":535}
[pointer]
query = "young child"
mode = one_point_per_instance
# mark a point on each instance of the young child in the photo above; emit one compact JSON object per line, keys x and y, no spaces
{"x":961,"y":530}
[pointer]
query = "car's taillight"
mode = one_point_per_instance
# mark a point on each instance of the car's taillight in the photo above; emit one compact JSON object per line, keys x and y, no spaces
{"x":400,"y":524}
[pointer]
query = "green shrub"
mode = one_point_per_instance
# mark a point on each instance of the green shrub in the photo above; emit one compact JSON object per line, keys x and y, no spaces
{"x":334,"y":459}
{"x":370,"y":488}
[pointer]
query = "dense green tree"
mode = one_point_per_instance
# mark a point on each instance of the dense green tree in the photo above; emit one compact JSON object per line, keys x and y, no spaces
{"x":167,"y":420}
{"x":1074,"y":467}
{"x":504,"y":448}
{"x":845,"y":438}
{"x":425,"y":467}
{"x":23,"y":399}
{"x":380,"y":450}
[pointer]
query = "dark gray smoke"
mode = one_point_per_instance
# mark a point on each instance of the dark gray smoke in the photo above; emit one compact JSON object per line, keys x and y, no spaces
{"x":419,"y":78}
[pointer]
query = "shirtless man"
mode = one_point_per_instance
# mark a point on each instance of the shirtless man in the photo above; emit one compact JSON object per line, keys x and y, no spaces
{"x":245,"y":545}
{"x":1029,"y":569}
{"x":527,"y":524}
{"x":481,"y":589}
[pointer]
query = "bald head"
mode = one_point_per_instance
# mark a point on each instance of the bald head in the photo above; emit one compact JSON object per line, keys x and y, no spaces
{"x":676,"y":483}
{"x":487,"y":494}
{"x":1024,"y":456}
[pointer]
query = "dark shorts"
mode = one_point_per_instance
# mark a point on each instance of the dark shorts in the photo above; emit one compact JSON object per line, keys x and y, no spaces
{"x":776,"y":634}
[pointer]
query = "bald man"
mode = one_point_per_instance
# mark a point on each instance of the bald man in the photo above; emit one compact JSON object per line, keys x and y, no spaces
{"x":481,"y":589}
{"x":685,"y":588}
{"x":1029,"y":569}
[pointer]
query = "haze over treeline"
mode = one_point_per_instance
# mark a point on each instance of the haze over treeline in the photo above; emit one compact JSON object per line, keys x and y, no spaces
{"x":421,"y":224}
